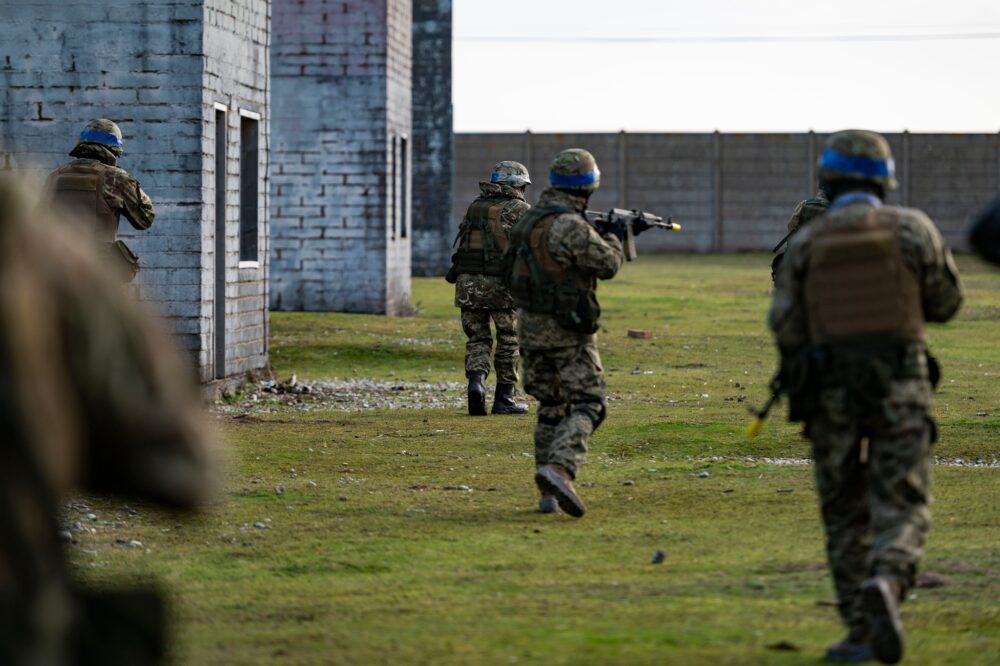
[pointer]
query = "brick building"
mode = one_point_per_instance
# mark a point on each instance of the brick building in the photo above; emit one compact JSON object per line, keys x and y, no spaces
{"x":341,"y":160}
{"x":188,"y":84}
{"x":434,"y":227}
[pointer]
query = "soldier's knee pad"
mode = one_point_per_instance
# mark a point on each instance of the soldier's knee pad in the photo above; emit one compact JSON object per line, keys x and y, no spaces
{"x":551,"y":413}
{"x":596,"y":411}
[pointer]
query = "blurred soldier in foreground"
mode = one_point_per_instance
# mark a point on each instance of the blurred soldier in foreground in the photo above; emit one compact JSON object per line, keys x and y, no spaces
{"x":92,"y":192}
{"x":984,"y":236}
{"x":807,"y":210}
{"x":553,"y":265}
{"x":92,"y":398}
{"x":852,"y":297}
{"x":480,"y":291}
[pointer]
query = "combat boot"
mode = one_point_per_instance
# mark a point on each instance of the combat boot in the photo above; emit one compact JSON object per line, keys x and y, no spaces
{"x":555,"y":480}
{"x":503,"y":401}
{"x":547,"y":504}
{"x":881,"y":596}
{"x":856,"y":648}
{"x":477,"y":394}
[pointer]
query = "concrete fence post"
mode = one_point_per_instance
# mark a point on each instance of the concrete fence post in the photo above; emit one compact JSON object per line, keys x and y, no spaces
{"x":811,"y":157}
{"x":904,"y":185}
{"x":528,"y":156}
{"x":622,"y":169}
{"x":718,"y":235}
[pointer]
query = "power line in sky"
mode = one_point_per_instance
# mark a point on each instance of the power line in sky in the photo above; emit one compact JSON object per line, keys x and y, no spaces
{"x":731,"y":39}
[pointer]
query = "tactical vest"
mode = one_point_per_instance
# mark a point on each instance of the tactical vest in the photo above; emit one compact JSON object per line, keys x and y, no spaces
{"x":538,"y":283}
{"x":482,"y":242}
{"x":858,"y":284}
{"x":77,"y":189}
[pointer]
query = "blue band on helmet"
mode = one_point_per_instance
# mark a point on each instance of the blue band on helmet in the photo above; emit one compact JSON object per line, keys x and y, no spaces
{"x":855,"y":197}
{"x":497,"y":177}
{"x":856,"y":164}
{"x":101,"y":137}
{"x":578,"y":180}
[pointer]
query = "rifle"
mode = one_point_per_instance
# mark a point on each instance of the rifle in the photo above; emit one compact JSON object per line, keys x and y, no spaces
{"x":627,"y":224}
{"x":776,"y":385}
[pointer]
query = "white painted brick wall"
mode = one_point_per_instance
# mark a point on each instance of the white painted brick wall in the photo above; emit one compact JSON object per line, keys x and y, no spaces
{"x":341,"y":90}
{"x":155,"y":67}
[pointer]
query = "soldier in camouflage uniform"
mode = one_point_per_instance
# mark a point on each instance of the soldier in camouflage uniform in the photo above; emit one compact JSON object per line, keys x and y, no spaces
{"x":803,"y":213}
{"x":93,"y":192}
{"x":984,"y":235}
{"x":480,"y":291}
{"x":93,"y":398}
{"x":553,"y":265}
{"x":849,"y":312}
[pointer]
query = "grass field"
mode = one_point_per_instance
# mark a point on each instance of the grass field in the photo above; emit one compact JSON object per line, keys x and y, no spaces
{"x":366,"y":558}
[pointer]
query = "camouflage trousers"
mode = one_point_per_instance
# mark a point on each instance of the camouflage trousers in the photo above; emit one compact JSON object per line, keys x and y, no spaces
{"x":873,"y":483}
{"x":569,"y":384}
{"x":479,"y":348}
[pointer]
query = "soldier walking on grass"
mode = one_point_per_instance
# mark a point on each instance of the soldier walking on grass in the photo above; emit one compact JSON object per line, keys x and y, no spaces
{"x":480,"y":290}
{"x":553,"y":265}
{"x":807,"y":210}
{"x":93,"y":398}
{"x":92,"y":192}
{"x":849,"y":310}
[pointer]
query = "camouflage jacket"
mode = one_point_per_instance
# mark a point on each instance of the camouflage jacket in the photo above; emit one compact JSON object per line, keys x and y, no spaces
{"x":94,"y":398}
{"x":923,"y":251}
{"x":572,"y":242}
{"x":488,"y":292}
{"x":122,"y":192}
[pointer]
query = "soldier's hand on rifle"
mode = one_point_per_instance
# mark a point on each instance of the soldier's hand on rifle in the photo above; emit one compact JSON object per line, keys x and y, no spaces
{"x":613,"y":225}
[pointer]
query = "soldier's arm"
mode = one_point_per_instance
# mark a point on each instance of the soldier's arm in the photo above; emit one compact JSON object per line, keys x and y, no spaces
{"x":941,"y":286}
{"x":573,"y":242}
{"x":787,"y":316}
{"x":144,"y":433}
{"x":133,"y":201}
{"x":512,"y":212}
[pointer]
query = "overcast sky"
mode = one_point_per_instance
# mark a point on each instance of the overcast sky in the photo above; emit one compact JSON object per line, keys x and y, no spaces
{"x":732,"y":65}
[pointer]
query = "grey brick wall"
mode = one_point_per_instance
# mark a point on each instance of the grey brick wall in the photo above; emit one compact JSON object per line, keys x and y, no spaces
{"x":434,"y":226}
{"x":341,"y":82}
{"x":734,"y":192}
{"x":155,"y":68}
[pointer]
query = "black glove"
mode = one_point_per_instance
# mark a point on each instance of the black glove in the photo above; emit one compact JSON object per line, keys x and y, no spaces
{"x":613,"y":226}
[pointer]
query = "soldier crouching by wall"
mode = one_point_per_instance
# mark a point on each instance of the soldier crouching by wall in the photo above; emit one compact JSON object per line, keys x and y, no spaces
{"x":92,"y":192}
{"x":849,"y":314}
{"x":553,"y":264}
{"x":480,"y":290}
{"x":93,"y":397}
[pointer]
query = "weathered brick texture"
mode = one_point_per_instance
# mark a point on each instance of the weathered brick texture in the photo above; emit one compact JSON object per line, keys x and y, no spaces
{"x":735,"y":192}
{"x":341,"y":224}
{"x":157,"y":68}
{"x":434,"y":227}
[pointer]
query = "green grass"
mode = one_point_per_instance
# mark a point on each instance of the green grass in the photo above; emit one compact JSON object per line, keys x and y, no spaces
{"x":402,"y":571}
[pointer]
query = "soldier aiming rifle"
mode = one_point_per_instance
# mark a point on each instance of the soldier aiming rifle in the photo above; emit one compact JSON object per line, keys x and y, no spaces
{"x":627,"y":224}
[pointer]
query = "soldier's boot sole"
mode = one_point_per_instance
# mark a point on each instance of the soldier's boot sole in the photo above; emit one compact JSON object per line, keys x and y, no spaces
{"x":882,"y":610}
{"x":547,"y":504}
{"x":512,"y":410}
{"x":552,"y":483}
{"x":849,"y":653}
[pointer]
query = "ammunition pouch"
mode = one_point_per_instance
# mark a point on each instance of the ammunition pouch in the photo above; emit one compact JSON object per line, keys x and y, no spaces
{"x":577,"y":309}
{"x":121,"y":627}
{"x":124,"y":262}
{"x":799,"y":380}
{"x":865,"y":369}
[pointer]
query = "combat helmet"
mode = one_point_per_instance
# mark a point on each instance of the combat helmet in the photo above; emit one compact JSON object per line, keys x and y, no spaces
{"x":575,"y":170}
{"x":858,"y":155}
{"x":103,"y":132}
{"x":510,"y":173}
